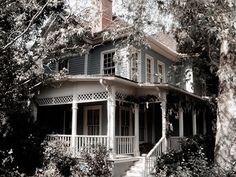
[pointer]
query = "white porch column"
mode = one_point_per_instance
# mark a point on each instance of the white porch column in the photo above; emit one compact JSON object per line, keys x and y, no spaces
{"x":74,"y":126}
{"x":204,"y":122}
{"x":163,"y":116}
{"x":194,"y":121}
{"x":181,"y":122}
{"x":111,"y":113}
{"x":136,"y":129}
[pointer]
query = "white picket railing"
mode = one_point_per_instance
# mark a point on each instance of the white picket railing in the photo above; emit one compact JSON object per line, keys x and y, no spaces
{"x":64,"y":138}
{"x":152,"y":156}
{"x":124,"y":144}
{"x":85,"y":142}
{"x":82,"y":142}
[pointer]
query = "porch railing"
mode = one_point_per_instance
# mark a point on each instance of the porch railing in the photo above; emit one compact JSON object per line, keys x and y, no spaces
{"x":82,"y":142}
{"x":64,"y":138}
{"x":124,"y":144}
{"x":85,"y":142}
{"x":152,"y":156}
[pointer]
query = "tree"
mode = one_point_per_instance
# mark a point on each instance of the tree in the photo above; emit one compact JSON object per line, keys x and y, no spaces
{"x":33,"y":34}
{"x":207,"y":30}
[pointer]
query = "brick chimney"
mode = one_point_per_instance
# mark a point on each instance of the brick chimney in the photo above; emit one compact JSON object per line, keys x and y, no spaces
{"x":104,"y":15}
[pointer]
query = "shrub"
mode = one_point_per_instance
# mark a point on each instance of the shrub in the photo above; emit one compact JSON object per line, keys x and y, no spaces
{"x":96,"y":163}
{"x":189,"y":161}
{"x":58,"y":161}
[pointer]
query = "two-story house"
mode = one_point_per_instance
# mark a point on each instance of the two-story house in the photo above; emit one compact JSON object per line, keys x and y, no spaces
{"x":123,"y":105}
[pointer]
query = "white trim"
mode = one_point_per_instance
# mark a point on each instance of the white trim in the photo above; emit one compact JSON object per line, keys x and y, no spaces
{"x":164,"y":71}
{"x":194,"y":121}
{"x":85,"y":129}
{"x":86,"y":64}
{"x":102,"y":59}
{"x":152,"y":68}
{"x":138,"y":66}
{"x":181,"y":122}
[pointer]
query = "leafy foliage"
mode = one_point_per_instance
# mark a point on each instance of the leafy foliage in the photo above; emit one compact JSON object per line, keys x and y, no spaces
{"x":58,"y":161}
{"x":191,"y":160}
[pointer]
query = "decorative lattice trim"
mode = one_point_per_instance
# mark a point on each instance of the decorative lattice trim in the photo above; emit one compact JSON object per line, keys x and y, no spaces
{"x":45,"y":101}
{"x":121,"y":95}
{"x":92,"y":96}
{"x":55,"y":100}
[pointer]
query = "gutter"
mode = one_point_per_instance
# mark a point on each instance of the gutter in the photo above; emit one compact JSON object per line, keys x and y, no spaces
{"x":103,"y":80}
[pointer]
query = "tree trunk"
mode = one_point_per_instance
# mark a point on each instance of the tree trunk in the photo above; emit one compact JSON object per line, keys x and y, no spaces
{"x":225,"y":149}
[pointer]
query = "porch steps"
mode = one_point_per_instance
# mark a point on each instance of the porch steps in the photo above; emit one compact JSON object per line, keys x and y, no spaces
{"x":137,"y":170}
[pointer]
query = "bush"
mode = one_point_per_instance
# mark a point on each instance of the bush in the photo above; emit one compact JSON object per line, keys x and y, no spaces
{"x":58,"y":161}
{"x":96,"y":163}
{"x":190,"y":161}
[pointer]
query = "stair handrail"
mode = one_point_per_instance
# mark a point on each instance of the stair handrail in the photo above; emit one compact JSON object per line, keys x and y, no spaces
{"x":151,"y":157}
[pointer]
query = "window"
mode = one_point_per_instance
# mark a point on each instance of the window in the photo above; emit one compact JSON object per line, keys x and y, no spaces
{"x":161,"y":72}
{"x":108,"y":63}
{"x":149,"y":69}
{"x":134,"y":67}
{"x":93,"y":120}
{"x":63,"y":65}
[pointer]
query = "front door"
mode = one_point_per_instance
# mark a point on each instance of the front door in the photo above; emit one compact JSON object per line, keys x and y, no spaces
{"x":126,"y":123}
{"x":92,"y":120}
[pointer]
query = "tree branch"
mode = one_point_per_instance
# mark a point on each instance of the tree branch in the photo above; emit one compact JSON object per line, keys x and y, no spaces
{"x":31,"y":22}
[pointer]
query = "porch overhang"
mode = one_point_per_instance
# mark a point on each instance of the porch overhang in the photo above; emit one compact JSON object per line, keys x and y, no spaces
{"x":120,"y":80}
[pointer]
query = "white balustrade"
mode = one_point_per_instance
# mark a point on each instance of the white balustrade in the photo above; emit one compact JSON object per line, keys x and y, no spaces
{"x":86,"y":142}
{"x":124,"y":144}
{"x":152,"y":156}
{"x":83,"y":142}
{"x":64,"y":138}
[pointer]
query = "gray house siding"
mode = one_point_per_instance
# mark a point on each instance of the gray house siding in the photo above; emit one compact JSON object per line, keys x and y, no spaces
{"x":94,"y":58}
{"x":157,"y":57}
{"x":76,"y":65}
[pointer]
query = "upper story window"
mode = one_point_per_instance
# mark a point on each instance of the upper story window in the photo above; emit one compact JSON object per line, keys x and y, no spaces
{"x":134,"y":67}
{"x":108,"y":63}
{"x":63,"y":65}
{"x":161,"y":72}
{"x":149,"y":69}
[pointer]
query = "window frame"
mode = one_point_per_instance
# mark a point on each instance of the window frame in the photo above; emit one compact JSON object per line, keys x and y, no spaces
{"x":137,"y":66}
{"x":102,"y":61}
{"x":163,"y":75}
{"x":148,"y":57}
{"x":95,"y":107}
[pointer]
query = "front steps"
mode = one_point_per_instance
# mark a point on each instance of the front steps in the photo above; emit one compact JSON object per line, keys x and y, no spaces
{"x":137,"y":170}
